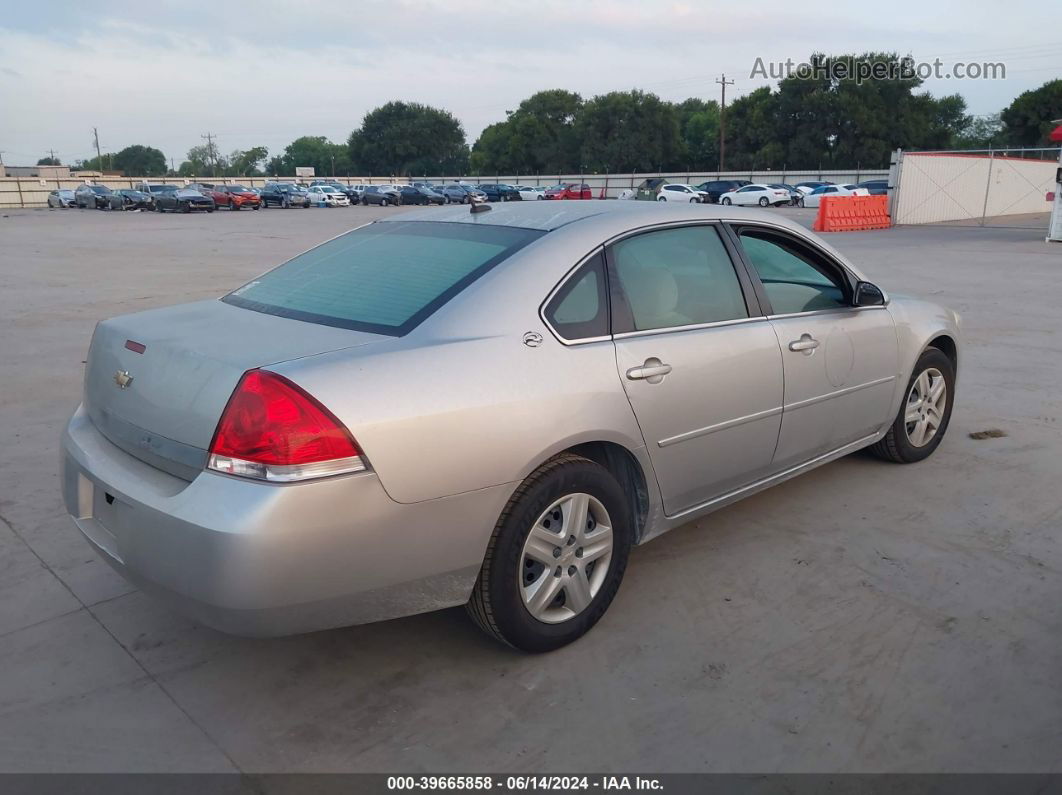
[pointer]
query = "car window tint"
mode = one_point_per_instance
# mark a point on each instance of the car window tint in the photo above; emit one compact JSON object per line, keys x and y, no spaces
{"x":795,"y":279}
{"x":384,"y":277}
{"x":677,"y":277}
{"x":579,"y":310}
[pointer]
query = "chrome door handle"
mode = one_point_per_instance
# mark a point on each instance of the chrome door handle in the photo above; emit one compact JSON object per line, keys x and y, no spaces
{"x":653,"y":371}
{"x":806,"y":344}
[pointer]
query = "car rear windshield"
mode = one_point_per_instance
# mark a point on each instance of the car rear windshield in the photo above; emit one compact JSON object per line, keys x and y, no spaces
{"x":384,"y":278}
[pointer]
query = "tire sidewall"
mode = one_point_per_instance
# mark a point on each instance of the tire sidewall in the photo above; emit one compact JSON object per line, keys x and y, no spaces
{"x":931,"y":357}
{"x":515,"y":622}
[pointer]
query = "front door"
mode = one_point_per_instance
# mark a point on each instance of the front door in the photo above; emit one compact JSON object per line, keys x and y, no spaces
{"x":702,"y":372}
{"x":840,"y":362}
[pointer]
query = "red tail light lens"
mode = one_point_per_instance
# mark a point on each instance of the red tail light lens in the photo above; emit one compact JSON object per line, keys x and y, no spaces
{"x":273,"y":430}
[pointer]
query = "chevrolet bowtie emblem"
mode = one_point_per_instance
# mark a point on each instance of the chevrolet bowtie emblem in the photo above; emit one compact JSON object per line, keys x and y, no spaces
{"x":123,"y":379}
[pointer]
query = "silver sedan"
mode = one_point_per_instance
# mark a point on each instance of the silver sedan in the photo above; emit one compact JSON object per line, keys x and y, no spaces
{"x":486,"y":407}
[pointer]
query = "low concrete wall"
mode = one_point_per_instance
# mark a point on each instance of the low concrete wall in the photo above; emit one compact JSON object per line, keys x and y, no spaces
{"x":33,"y":192}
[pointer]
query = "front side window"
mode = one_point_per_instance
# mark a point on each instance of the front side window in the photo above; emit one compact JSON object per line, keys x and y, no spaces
{"x":676,"y":277}
{"x":385,"y":278}
{"x":579,"y":310}
{"x":795,"y":278}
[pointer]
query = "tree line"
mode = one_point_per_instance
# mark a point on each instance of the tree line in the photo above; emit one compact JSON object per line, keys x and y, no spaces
{"x":805,"y":122}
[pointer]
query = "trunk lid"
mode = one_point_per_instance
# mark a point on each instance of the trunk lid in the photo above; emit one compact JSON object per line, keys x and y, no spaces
{"x":193,"y":357}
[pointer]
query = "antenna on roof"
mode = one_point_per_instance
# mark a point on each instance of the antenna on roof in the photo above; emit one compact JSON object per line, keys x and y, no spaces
{"x":479,"y":207}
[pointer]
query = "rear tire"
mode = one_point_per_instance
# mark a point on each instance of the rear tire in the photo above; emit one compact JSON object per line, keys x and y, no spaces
{"x":919,"y":414}
{"x":504,"y":595}
{"x":764,"y":201}
{"x":726,"y":201}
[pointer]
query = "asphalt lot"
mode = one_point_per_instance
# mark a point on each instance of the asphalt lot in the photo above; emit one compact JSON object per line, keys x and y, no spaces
{"x":864,"y":617}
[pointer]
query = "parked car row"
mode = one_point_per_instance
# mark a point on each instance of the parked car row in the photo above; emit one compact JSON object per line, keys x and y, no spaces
{"x":744,"y":192}
{"x":208,"y":196}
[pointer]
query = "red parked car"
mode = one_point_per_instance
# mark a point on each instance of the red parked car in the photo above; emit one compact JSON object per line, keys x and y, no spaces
{"x":235,"y":197}
{"x":572,"y":190}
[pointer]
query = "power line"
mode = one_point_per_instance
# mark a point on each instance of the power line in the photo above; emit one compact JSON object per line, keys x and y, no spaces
{"x":212,"y":152}
{"x":723,"y":82}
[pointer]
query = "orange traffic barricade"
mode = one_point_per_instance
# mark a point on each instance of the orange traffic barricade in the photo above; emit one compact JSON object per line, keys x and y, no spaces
{"x":852,"y":213}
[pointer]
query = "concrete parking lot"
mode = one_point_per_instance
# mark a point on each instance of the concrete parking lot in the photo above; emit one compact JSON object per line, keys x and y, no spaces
{"x":864,"y":617}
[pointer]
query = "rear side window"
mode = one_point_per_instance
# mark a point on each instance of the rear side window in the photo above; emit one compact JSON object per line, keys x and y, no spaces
{"x":385,"y":278}
{"x":675,"y":277}
{"x":579,"y":310}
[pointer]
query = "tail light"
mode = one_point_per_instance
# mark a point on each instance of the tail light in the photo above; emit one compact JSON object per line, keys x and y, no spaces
{"x":273,"y":430}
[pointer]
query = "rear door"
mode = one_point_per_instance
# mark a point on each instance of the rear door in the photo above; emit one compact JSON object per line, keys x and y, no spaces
{"x":840,"y":361}
{"x":698,"y":360}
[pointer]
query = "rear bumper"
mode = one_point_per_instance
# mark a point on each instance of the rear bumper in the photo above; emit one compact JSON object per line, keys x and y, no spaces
{"x":262,"y":559}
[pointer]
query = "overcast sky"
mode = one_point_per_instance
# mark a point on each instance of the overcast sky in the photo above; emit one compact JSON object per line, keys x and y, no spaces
{"x":265,"y":72}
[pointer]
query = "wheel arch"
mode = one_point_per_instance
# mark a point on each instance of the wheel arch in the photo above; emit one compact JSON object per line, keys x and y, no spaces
{"x":626,"y":467}
{"x":946,"y":344}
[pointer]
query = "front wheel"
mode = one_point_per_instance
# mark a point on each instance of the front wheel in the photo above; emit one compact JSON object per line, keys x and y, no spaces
{"x":726,"y":201}
{"x":694,"y":200}
{"x":800,"y":202}
{"x":556,"y":558}
{"x":924,"y":415}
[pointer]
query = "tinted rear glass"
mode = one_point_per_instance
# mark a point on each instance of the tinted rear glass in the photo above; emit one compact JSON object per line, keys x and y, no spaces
{"x":384,"y":278}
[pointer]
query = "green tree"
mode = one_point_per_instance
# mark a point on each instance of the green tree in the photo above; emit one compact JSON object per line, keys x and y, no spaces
{"x":538,"y":137}
{"x":982,"y":132}
{"x":1027,"y":121}
{"x":140,"y":161}
{"x":245,"y":162}
{"x":315,"y":151}
{"x":403,"y":138}
{"x":699,"y":128}
{"x":203,"y":161}
{"x":93,"y":163}
{"x":752,"y":139}
{"x":629,"y":131}
{"x":49,"y":161}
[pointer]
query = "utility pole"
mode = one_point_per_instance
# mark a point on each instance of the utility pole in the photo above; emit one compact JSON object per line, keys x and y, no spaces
{"x":212,"y":151}
{"x":99,"y":157}
{"x":722,"y":121}
{"x":51,"y":154}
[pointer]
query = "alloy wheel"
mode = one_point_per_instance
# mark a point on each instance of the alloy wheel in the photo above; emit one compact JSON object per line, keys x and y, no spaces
{"x":565,"y":558}
{"x":926,"y":404}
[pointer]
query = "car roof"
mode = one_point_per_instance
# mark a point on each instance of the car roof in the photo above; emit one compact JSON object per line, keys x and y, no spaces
{"x":610,"y":217}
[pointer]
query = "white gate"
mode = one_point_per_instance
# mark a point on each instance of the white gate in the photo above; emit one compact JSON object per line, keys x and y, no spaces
{"x":983,"y":188}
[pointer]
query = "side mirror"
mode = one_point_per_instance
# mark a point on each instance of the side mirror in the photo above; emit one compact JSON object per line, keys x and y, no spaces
{"x":867,"y":294}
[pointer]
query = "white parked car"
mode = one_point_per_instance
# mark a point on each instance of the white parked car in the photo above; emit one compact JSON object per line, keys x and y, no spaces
{"x":812,"y":199}
{"x":328,"y":196}
{"x":676,"y":192}
{"x":530,"y":193}
{"x":763,"y":195}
